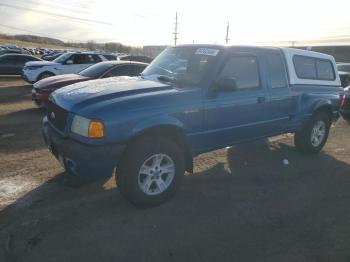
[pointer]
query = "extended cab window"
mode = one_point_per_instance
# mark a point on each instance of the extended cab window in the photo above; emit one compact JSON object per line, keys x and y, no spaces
{"x":244,"y":69}
{"x":313,"y":68}
{"x":277,"y":72}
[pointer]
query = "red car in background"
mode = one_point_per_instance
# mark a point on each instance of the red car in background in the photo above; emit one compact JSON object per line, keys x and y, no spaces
{"x":43,"y":88}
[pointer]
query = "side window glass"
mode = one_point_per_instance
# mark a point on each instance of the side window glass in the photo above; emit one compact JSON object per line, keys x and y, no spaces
{"x":304,"y":67}
{"x":244,"y":70}
{"x":119,"y":71}
{"x":324,"y":70}
{"x":76,"y":59}
{"x":137,"y":70}
{"x":277,"y":72}
{"x":313,"y":68}
{"x":6,"y":59}
{"x":79,"y":59}
{"x":93,"y":59}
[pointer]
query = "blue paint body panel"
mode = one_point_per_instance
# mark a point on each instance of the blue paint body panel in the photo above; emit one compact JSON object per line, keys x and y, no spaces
{"x":208,"y":119}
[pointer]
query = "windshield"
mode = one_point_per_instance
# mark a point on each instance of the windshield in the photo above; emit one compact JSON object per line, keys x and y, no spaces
{"x":186,"y":64}
{"x":62,"y":58}
{"x":96,"y":70}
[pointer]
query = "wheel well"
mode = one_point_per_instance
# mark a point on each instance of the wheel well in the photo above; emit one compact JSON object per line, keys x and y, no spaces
{"x":326,"y":109}
{"x":174,"y":134}
{"x":45,"y":72}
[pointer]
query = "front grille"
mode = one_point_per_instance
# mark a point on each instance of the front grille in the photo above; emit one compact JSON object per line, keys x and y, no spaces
{"x":37,"y":90}
{"x":57,"y":116}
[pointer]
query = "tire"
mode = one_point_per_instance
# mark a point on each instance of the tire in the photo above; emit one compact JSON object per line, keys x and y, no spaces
{"x":45,"y":75}
{"x":153,"y":185}
{"x":305,"y":140}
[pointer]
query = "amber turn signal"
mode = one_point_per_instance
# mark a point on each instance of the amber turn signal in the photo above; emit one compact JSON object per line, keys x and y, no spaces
{"x":96,"y":129}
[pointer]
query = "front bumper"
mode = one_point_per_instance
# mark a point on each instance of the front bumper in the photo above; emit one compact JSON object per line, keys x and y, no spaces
{"x":87,"y":161}
{"x":26,"y":78}
{"x":40,"y":99}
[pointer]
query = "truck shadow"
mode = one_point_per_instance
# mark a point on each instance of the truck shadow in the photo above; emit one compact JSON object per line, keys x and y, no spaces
{"x":254,"y":193}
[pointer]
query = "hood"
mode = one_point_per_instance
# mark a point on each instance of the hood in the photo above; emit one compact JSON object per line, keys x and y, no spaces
{"x":76,"y":96}
{"x":41,"y":63}
{"x":59,"y":81}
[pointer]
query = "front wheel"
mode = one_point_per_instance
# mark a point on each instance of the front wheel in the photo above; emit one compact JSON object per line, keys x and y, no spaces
{"x":313,"y":136}
{"x":151,"y":171}
{"x":45,"y":75}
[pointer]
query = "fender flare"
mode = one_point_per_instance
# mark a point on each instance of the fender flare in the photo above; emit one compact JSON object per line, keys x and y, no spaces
{"x":167,"y":127}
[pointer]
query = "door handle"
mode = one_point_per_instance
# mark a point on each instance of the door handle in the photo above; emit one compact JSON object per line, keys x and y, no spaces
{"x":261,"y":99}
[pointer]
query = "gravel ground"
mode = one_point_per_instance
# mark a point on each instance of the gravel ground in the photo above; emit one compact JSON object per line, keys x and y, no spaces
{"x":241,"y":204}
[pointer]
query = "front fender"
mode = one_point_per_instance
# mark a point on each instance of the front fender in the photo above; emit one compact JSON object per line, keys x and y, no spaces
{"x":154,"y":122}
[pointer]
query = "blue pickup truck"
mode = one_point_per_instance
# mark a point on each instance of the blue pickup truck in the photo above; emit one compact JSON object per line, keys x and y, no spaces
{"x":191,"y":99}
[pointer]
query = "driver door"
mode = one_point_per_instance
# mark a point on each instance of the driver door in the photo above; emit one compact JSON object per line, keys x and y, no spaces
{"x":240,"y":114}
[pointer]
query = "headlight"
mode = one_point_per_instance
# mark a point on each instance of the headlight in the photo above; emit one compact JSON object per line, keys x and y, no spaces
{"x":32,"y":67}
{"x":87,"y":127}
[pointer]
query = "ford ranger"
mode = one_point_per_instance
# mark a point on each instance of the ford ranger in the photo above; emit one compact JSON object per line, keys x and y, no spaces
{"x":191,"y":99}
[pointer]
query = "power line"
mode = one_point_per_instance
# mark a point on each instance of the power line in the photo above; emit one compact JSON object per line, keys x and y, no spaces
{"x":32,"y":32}
{"x":73,"y":3}
{"x":57,"y":15}
{"x":175,"y":32}
{"x":58,"y":6}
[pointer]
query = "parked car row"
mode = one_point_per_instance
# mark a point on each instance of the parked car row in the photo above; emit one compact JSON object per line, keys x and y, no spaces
{"x":12,"y":64}
{"x":43,"y":88}
{"x":71,"y":62}
{"x":7,"y":49}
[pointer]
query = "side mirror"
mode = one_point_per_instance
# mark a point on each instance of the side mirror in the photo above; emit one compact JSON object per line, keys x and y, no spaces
{"x":69,"y":62}
{"x":226,"y":84}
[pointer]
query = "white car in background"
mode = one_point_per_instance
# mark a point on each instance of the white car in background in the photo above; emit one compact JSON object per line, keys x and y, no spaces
{"x":67,"y":63}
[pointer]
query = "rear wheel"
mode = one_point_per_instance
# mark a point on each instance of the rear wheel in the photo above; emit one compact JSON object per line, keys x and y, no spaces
{"x":45,"y":75}
{"x":313,"y":136}
{"x":151,"y":171}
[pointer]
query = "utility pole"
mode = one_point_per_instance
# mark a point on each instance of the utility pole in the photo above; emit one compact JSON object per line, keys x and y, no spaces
{"x":227,"y":32}
{"x":175,"y":32}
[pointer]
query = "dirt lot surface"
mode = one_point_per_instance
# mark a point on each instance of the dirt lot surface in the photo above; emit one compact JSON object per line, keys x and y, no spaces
{"x":241,"y":204}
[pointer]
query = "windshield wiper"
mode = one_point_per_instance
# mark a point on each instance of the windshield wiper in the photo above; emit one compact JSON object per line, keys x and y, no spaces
{"x":166,"y":78}
{"x":170,"y":79}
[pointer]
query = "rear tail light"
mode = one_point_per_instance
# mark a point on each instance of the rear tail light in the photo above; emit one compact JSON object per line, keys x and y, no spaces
{"x":342,"y":101}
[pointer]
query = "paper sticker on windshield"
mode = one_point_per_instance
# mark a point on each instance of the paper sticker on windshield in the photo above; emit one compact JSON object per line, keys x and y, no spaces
{"x":207,"y":51}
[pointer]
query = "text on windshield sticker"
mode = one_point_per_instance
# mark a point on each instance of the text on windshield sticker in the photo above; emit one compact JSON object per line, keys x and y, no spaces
{"x":207,"y":51}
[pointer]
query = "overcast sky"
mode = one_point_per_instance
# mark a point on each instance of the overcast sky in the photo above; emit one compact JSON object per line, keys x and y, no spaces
{"x":150,"y":22}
